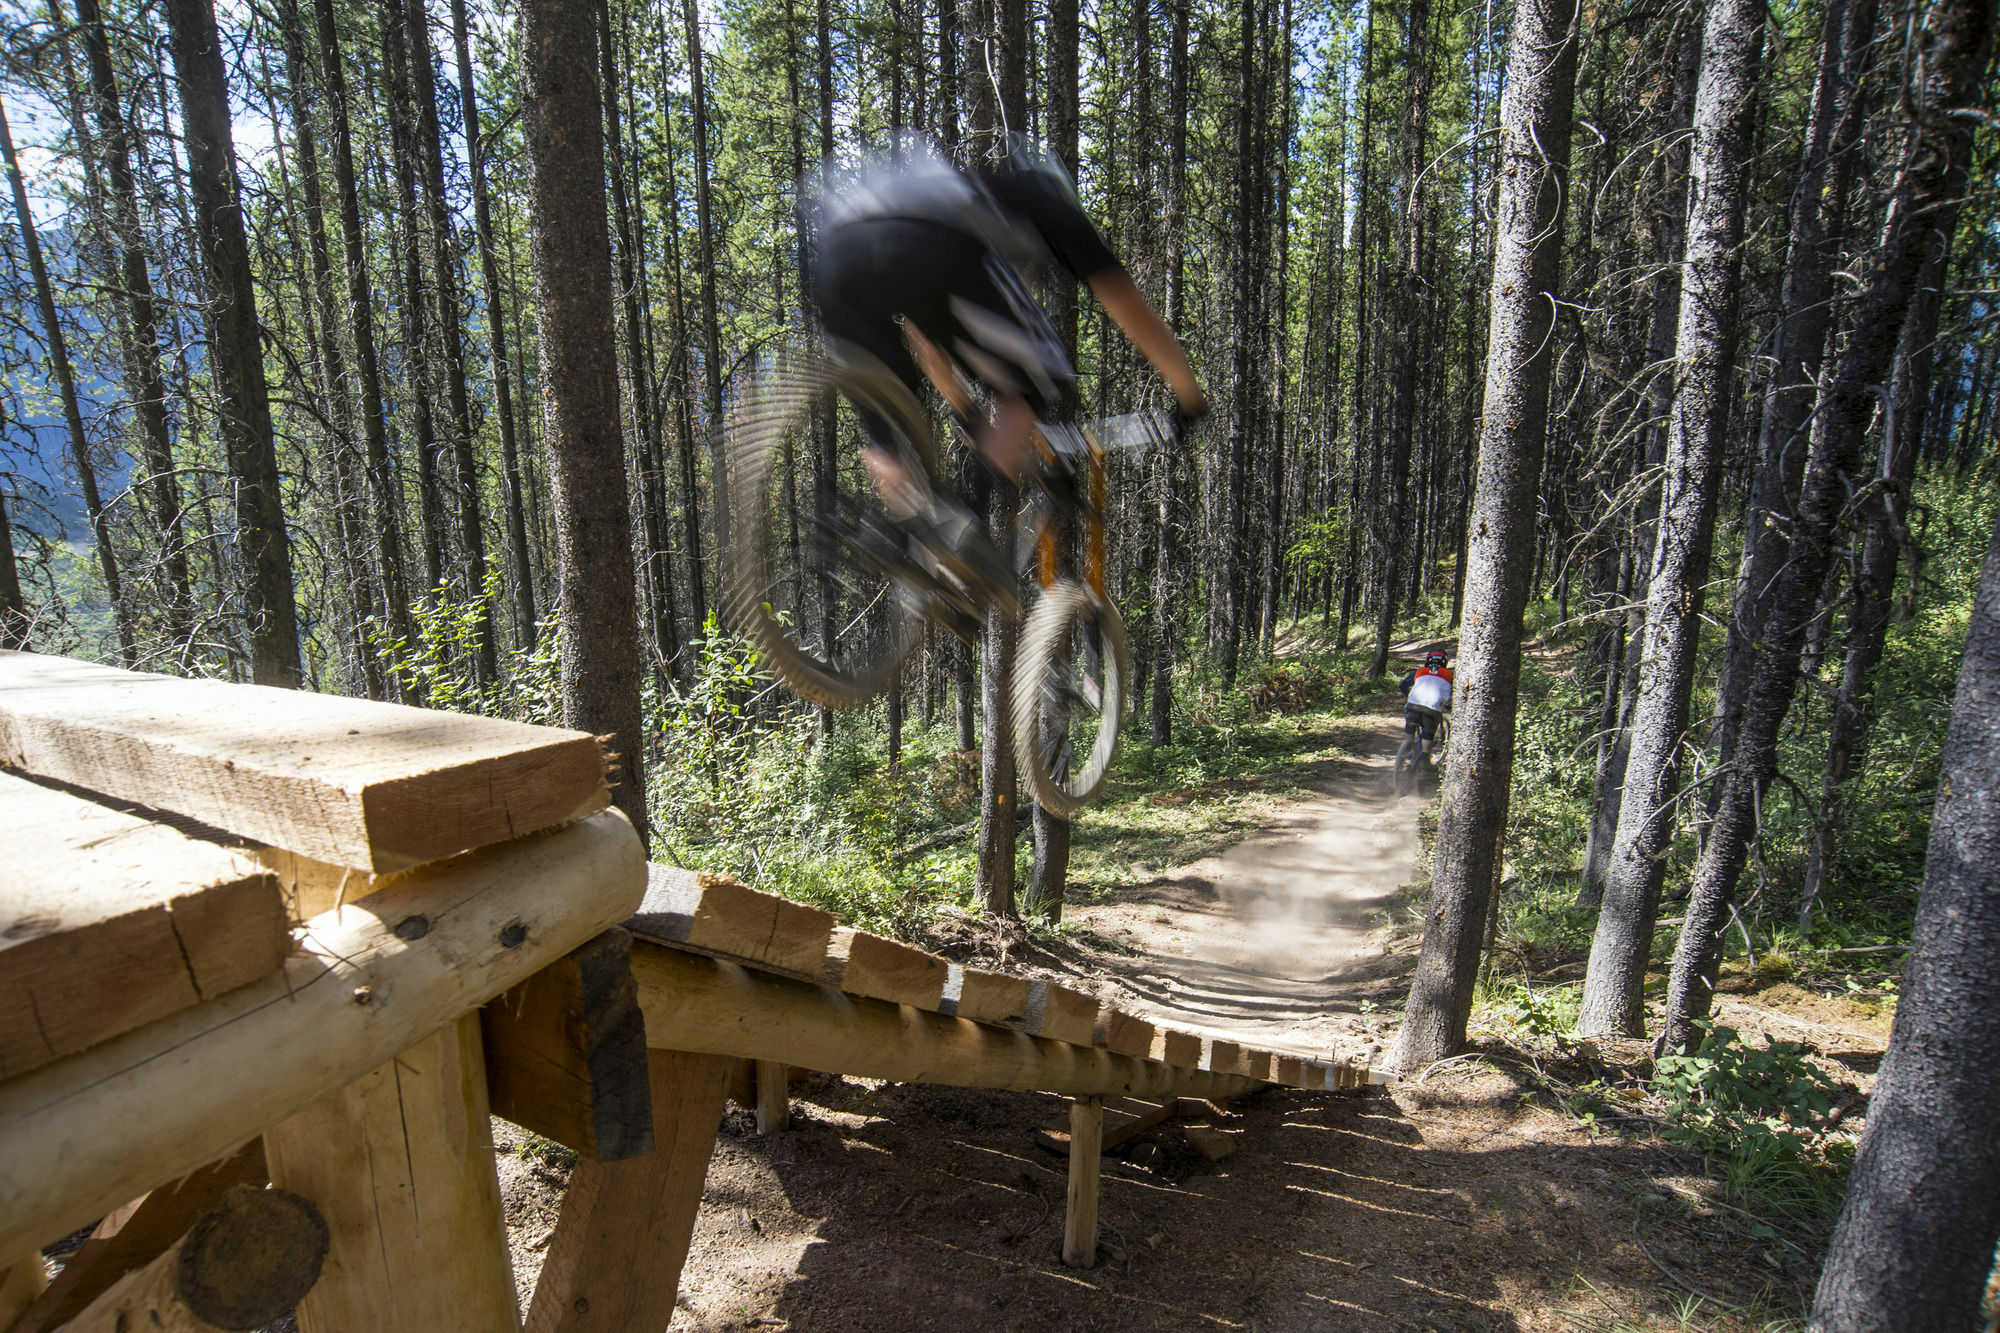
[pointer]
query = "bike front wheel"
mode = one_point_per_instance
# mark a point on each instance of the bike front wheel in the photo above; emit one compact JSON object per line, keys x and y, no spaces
{"x":815,"y":570}
{"x":1070,"y":677}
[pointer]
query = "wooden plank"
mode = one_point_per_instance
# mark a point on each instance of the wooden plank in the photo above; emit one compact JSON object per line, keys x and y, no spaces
{"x":1086,"y":1149}
{"x":1177,"y":1048}
{"x":1124,"y":1119}
{"x":991,"y":997}
{"x":774,"y":1097}
{"x":243,"y":1264}
{"x":93,"y":894}
{"x":715,"y":914}
{"x":376,"y":786}
{"x":1255,"y":1064}
{"x":93,"y":1130}
{"x":401,"y":1163}
{"x":566,"y":1053}
{"x":884,"y":969}
{"x":1224,"y":1057}
{"x":137,"y":1234}
{"x":622,"y":1237}
{"x":1288,"y":1070}
{"x":1061,"y":1014}
{"x":1127,"y":1034}
{"x":716,"y":1007}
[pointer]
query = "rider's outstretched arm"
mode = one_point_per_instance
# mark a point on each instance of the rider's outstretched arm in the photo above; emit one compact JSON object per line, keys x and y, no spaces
{"x":1128,"y":306}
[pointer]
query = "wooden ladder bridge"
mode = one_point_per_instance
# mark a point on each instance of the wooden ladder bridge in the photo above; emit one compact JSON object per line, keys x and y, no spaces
{"x":254,"y":936}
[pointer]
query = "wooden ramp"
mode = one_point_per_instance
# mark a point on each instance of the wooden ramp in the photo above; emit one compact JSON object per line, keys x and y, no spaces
{"x":262,"y":935}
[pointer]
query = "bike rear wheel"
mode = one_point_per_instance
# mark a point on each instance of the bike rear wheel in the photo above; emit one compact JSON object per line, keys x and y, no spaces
{"x":1405,"y":774}
{"x":1070,"y":678}
{"x":816,"y":575}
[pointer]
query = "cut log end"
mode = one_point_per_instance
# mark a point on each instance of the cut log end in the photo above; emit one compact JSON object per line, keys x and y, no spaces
{"x":252,"y":1257}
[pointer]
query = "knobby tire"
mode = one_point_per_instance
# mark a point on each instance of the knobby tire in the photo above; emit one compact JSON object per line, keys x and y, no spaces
{"x":783,"y":399}
{"x":1044,"y":647}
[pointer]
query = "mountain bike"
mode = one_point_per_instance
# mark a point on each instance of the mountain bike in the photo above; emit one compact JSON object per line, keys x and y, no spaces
{"x":835,"y":594}
{"x":1408,"y":765}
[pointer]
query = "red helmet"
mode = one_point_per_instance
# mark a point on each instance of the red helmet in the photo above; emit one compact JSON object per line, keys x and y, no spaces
{"x":1435,"y":658}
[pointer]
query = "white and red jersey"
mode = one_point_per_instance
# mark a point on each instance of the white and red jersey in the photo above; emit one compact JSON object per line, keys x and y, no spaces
{"x":1431,"y":689}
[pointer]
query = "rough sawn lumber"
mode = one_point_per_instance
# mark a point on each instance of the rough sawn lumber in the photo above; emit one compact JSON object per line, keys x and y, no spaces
{"x":87,"y":1133}
{"x":378,"y":787}
{"x":109,"y":922}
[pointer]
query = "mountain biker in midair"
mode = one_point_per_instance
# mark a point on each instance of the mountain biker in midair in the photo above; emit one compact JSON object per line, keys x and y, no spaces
{"x":1428,"y":690}
{"x":919,"y":264}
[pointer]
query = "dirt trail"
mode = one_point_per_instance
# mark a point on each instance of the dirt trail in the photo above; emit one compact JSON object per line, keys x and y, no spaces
{"x":1284,"y":937}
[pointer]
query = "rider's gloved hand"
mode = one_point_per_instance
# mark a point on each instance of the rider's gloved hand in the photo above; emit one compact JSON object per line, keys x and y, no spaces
{"x":1185,"y":417}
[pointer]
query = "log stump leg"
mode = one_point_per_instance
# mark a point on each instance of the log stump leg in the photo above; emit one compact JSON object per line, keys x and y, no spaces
{"x":1086,"y":1150}
{"x":400,"y":1161}
{"x":243,"y":1264}
{"x":615,"y":1259}
{"x":20,"y":1283}
{"x":774,"y":1098}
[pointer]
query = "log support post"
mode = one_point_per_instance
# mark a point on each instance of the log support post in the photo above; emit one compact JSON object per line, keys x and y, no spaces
{"x":20,"y":1283}
{"x":1086,"y":1150}
{"x":615,"y":1259}
{"x":774,"y":1098}
{"x":400,"y":1161}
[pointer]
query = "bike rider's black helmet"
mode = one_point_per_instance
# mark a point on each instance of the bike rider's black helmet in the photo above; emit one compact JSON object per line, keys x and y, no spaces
{"x":1435,"y":658}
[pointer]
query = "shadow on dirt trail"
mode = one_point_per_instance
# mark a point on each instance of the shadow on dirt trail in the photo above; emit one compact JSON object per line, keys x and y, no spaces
{"x":916,"y":1208}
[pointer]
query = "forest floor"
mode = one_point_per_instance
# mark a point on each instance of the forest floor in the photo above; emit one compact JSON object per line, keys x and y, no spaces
{"x":1471,"y":1199}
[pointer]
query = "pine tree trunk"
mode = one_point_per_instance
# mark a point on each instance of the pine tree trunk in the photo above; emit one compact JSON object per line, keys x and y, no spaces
{"x":1165,"y":464}
{"x":1527,"y":269}
{"x":1953,"y":54}
{"x":1407,"y":311}
{"x":1886,"y":538}
{"x":140,"y":325}
{"x":519,"y":570}
{"x":1916,"y":1233}
{"x":442,"y":256}
{"x":237,"y":357}
{"x":560,"y":115}
{"x":59,"y":364}
{"x":1819,"y":215}
{"x":360,"y":326}
{"x":363,"y":590}
{"x":13,"y":610}
{"x":1705,"y":353}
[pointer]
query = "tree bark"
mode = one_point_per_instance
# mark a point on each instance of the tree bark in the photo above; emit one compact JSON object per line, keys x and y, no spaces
{"x":1916,"y":1233}
{"x":519,"y":572}
{"x":79,"y":444}
{"x":1527,"y":271}
{"x":443,"y":256}
{"x":1404,"y":326}
{"x":140,"y":327}
{"x":360,"y":324}
{"x":561,"y":117}
{"x":1819,"y":217}
{"x":1886,"y":538}
{"x":237,"y":357}
{"x":1705,"y":350}
{"x":1949,"y":66}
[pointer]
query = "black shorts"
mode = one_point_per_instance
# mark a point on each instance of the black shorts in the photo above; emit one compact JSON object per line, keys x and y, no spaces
{"x":1423,"y":720}
{"x":961,"y":295}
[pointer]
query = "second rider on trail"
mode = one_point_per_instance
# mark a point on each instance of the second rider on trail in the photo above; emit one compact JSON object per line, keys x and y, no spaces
{"x":1428,"y":690}
{"x":921,"y":266}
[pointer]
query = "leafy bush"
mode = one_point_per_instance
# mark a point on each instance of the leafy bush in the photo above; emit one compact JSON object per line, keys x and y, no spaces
{"x":1769,"y":1112}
